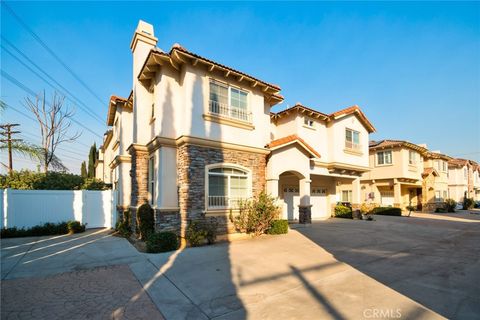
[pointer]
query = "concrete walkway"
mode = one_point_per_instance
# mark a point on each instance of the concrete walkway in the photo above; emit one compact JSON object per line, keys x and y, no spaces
{"x":270,"y":277}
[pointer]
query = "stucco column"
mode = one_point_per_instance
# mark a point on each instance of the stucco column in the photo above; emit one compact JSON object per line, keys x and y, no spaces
{"x":397,"y":194}
{"x":305,"y":208}
{"x":272,"y":187}
{"x":356,"y":193}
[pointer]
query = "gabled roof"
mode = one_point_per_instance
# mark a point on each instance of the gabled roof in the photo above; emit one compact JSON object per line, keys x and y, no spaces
{"x":458,"y":162}
{"x":356,"y":111}
{"x":429,"y":171}
{"x":298,"y":107}
{"x":178,"y":55}
{"x":112,"y":106}
{"x":282,"y":142}
{"x":436,"y":155}
{"x":384,"y":144}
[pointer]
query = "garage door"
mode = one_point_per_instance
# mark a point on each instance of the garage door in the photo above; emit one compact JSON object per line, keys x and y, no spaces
{"x":291,"y":199}
{"x":318,"y":198}
{"x":386,"y":198}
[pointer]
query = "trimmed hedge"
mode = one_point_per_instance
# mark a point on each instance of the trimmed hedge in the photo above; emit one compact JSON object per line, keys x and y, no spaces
{"x":162,"y":242}
{"x":450,"y":205}
{"x":342,"y":211}
{"x":145,"y":221}
{"x":47,"y":229}
{"x":278,"y":227}
{"x":387,"y":211}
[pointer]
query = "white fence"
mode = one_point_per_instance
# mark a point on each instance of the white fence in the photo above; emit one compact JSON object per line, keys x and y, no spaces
{"x":27,"y":208}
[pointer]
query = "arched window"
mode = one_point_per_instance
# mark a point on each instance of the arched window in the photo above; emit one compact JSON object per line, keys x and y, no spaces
{"x":226,"y":186}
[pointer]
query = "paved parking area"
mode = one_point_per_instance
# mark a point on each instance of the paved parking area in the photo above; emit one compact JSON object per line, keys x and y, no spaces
{"x":422,"y":267}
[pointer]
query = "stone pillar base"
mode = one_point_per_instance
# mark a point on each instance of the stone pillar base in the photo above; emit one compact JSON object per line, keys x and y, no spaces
{"x":305,"y":214}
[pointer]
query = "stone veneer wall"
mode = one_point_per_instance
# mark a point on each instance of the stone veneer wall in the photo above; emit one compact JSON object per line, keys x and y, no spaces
{"x":191,"y":163}
{"x":139,"y":175}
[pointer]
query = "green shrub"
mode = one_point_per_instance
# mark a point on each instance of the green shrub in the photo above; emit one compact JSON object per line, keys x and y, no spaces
{"x":161,"y":242}
{"x":195,"y":234}
{"x":278,"y":227}
{"x":47,"y":229}
{"x":145,"y":221}
{"x":450,"y":205}
{"x":342,"y":211}
{"x":123,"y":225}
{"x":210,"y":228}
{"x":440,"y":210}
{"x":30,"y":180}
{"x":468,"y":203}
{"x":387,"y":211}
{"x":75,"y":227}
{"x":256,"y":215}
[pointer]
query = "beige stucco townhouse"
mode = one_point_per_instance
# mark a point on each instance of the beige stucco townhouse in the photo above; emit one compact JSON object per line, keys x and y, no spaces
{"x":196,"y":136}
{"x":463,"y":179}
{"x":405,"y":174}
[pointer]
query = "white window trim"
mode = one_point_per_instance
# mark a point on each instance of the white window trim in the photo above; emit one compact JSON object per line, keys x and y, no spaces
{"x":384,"y":164}
{"x":229,"y":86}
{"x":225,"y":165}
{"x":353,"y":146}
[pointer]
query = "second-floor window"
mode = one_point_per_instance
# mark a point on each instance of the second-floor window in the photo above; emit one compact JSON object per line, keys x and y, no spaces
{"x":412,"y":157}
{"x":352,"y":139}
{"x":309,"y":122}
{"x":227,"y":101}
{"x":384,"y":157}
{"x":444,"y":166}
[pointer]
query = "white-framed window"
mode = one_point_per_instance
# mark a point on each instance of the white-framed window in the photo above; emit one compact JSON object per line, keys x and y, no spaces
{"x":151,"y":179}
{"x":384,"y":157}
{"x":438,"y":196}
{"x":445,"y":194}
{"x":115,"y":129}
{"x":444,"y":166}
{"x":352,"y":139}
{"x":309,"y":122}
{"x":227,"y":185}
{"x":412,"y":157}
{"x":228,"y":101}
{"x":346,"y":196}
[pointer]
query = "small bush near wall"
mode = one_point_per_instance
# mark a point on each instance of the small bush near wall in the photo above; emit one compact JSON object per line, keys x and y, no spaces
{"x":162,"y":242}
{"x":195,"y":234}
{"x":468,"y":203}
{"x":342,"y":211}
{"x":278,"y":227}
{"x":123,"y":225}
{"x":388,"y":211}
{"x":145,"y":221}
{"x":440,"y":210}
{"x":256,"y":215}
{"x":46,"y":229}
{"x":450,"y":205}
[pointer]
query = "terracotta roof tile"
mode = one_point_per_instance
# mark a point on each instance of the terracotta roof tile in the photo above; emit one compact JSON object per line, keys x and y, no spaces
{"x":394,"y":143}
{"x":290,"y":139}
{"x":429,"y":171}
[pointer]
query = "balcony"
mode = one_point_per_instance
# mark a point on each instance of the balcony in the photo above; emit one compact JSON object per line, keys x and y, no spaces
{"x":223,"y":202}
{"x":225,"y":111}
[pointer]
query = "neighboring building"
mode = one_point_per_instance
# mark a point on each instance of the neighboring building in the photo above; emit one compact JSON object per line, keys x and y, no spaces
{"x":317,"y":159}
{"x":200,"y":137}
{"x":462,"y":173}
{"x":405,"y":174}
{"x":476,"y":182}
{"x":113,"y":163}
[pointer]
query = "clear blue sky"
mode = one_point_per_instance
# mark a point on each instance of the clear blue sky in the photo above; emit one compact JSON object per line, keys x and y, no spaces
{"x":414,"y":68}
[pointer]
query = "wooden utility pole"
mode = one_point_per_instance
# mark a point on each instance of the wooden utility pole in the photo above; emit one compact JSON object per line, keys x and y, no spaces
{"x":7,"y":132}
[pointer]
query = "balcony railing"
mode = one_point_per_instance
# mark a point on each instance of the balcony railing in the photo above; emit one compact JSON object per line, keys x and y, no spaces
{"x":226,"y":111}
{"x":221,"y":202}
{"x":352,"y":145}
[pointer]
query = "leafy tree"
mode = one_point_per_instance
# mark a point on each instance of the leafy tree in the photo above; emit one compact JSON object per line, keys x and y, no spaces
{"x":83,"y":170}
{"x":92,"y":156}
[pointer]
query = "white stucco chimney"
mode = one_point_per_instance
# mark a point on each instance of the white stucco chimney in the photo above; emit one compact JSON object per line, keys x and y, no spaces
{"x":142,"y":42}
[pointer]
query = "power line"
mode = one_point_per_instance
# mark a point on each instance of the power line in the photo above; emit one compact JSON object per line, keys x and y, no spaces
{"x":29,"y":91}
{"x":46,"y":47}
{"x":87,"y":111}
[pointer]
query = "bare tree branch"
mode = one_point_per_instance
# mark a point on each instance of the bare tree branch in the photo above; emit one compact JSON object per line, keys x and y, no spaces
{"x":55,"y":124}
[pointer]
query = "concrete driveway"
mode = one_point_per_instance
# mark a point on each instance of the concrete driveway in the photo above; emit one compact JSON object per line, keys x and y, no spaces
{"x":395,"y":267}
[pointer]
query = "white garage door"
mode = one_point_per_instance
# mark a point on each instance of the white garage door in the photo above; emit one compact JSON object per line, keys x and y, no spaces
{"x":386,"y":198}
{"x":291,"y":199}
{"x":318,"y":198}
